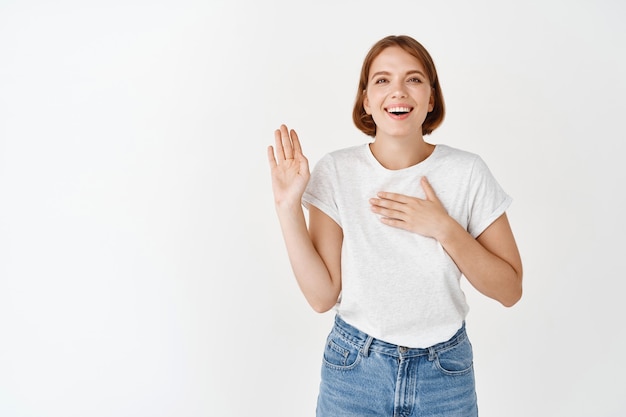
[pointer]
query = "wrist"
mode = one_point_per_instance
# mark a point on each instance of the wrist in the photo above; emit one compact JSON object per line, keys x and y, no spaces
{"x":288,"y":206}
{"x":447,"y":229}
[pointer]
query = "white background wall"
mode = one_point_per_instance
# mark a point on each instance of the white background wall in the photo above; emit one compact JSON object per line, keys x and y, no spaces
{"x":142,"y":271}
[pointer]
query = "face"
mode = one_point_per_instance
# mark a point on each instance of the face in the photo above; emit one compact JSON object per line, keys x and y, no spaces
{"x":398,"y":94}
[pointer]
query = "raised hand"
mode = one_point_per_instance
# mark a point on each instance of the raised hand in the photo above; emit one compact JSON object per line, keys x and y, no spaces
{"x":289,"y":167}
{"x":426,"y":217}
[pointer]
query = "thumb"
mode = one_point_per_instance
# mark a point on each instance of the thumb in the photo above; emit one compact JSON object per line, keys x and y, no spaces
{"x":428,"y":189}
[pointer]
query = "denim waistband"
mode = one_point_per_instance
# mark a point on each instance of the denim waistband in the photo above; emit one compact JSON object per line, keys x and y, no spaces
{"x":367,"y":343}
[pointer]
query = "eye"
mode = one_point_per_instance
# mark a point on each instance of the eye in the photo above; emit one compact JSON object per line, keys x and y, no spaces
{"x":380,"y":81}
{"x":414,"y":80}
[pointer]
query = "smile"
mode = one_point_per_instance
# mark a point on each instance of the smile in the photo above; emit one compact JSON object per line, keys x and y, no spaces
{"x":399,"y":110}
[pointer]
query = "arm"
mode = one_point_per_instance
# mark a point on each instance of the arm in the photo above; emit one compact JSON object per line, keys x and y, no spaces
{"x":314,"y":254}
{"x":491,"y":263}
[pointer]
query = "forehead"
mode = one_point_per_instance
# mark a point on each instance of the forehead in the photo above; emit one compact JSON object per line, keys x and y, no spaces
{"x":396,"y":59}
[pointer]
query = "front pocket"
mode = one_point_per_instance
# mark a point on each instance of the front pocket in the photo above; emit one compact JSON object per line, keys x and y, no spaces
{"x":339,"y":353}
{"x":456,"y":360}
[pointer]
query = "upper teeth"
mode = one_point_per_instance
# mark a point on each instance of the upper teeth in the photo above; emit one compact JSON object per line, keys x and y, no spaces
{"x":399,"y":110}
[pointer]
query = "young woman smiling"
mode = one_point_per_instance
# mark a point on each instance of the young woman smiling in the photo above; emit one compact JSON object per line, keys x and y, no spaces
{"x":393,"y":226}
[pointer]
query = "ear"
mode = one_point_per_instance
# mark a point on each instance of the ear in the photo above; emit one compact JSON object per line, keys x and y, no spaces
{"x":366,"y":103}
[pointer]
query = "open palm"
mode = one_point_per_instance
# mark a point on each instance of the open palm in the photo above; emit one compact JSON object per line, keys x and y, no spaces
{"x":289,"y":167}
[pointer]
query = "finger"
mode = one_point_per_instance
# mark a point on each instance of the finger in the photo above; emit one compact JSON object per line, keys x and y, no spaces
{"x":400,"y":198}
{"x":388,"y":213}
{"x":297,"y":147}
{"x":388,"y":208}
{"x":270,"y":157}
{"x":280,"y":152}
{"x":383,"y":203}
{"x":399,"y":224}
{"x":286,"y":141}
{"x":428,"y":189}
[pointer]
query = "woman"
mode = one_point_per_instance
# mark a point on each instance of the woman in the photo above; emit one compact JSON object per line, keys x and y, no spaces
{"x":393,"y":225}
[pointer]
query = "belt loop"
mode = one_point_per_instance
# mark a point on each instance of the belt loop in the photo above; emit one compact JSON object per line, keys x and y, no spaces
{"x":366,"y":346}
{"x":432,"y":354}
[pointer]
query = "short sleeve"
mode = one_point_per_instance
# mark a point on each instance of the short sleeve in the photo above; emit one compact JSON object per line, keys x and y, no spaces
{"x":321,"y":191}
{"x":487,"y":200}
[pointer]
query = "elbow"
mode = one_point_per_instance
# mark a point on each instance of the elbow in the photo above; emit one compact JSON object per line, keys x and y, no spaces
{"x":511,"y":301}
{"x":321,"y":307}
{"x":323,"y":301}
{"x":513,"y":297}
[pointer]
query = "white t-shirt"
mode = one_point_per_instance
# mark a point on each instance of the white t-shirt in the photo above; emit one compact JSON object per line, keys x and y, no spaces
{"x":398,"y":286}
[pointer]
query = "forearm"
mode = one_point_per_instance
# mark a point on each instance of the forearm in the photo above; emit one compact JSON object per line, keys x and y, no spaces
{"x":313,"y":277}
{"x":492,"y":275}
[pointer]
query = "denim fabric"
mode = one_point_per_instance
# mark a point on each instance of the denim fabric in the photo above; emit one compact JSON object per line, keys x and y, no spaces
{"x":362,"y":376}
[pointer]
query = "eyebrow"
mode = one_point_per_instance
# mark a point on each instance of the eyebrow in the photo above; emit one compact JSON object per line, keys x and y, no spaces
{"x":407,"y":73}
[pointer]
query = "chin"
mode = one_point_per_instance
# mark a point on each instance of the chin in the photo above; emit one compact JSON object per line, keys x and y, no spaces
{"x":402,"y":133}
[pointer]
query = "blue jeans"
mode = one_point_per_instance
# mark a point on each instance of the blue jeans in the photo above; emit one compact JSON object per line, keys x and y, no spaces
{"x":363,"y":376}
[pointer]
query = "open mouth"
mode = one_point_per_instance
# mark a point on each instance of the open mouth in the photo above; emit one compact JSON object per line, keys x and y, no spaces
{"x":399,"y":111}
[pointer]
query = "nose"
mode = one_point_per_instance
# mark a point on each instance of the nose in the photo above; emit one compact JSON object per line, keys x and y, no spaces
{"x":398,"y":90}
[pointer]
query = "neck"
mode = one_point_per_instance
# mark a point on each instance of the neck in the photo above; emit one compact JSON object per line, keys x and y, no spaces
{"x":400,"y":153}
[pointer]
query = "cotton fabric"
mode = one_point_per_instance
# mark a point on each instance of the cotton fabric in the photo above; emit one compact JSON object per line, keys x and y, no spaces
{"x":398,"y":286}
